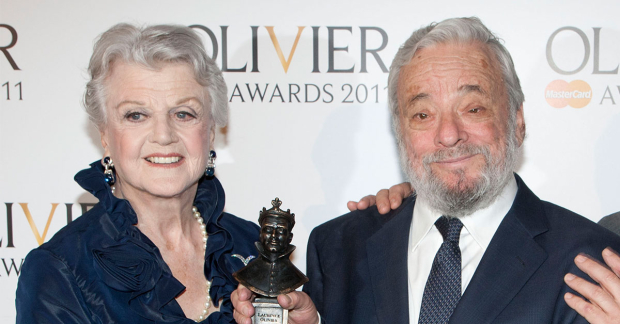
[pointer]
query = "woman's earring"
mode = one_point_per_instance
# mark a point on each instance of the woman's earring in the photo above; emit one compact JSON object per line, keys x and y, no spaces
{"x":210,"y":171}
{"x":108,"y":172}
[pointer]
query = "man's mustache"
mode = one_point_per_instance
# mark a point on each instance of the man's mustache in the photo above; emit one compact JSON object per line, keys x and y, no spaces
{"x":456,"y":152}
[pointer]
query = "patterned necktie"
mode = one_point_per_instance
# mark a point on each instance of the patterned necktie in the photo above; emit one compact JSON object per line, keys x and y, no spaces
{"x":443,"y":287}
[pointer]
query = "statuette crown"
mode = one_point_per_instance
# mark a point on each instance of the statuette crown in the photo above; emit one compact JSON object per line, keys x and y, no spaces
{"x":275,"y":211}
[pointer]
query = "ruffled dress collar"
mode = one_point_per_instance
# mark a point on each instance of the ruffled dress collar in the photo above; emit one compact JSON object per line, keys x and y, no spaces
{"x":127,"y":260}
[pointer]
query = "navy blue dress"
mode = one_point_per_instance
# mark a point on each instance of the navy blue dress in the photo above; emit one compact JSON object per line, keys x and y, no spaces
{"x":102,"y":269}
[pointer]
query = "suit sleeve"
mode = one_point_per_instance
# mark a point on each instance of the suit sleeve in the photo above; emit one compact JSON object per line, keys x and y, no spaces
{"x":314,"y":287}
{"x":47,"y":292}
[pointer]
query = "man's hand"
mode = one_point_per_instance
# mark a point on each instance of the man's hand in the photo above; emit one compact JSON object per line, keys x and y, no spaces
{"x":603,"y":302}
{"x":386,"y":199}
{"x":301,"y":309}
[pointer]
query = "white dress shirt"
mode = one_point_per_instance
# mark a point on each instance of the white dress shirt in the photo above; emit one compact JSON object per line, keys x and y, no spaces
{"x":425,"y":240}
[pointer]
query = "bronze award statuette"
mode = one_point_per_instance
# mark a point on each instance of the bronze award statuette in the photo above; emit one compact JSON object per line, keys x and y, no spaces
{"x":272,"y":273}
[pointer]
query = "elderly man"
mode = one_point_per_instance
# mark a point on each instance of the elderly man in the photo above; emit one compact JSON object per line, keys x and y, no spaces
{"x":475,"y":245}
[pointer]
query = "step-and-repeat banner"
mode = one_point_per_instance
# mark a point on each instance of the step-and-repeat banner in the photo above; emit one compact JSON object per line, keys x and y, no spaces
{"x":307,"y":90}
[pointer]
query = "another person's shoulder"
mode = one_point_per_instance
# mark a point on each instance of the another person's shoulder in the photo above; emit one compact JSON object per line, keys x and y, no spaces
{"x":577,"y":231}
{"x":611,"y":222}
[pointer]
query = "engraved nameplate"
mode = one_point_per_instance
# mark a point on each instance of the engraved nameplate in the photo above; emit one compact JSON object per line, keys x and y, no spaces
{"x":268,"y":311}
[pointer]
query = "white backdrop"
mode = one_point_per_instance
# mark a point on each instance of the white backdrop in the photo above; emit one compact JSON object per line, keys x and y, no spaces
{"x":315,"y":154}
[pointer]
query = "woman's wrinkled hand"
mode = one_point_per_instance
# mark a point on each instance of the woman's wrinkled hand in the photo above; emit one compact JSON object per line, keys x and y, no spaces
{"x":385,"y":199}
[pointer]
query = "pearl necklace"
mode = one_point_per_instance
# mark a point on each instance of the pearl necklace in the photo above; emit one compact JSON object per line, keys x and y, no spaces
{"x":203,"y":229}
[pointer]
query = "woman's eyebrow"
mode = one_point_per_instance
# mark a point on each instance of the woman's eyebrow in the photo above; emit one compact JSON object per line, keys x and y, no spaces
{"x":133,"y":102}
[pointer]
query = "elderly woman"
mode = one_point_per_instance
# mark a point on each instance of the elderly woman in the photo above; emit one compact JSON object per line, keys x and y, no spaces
{"x":157,"y":248}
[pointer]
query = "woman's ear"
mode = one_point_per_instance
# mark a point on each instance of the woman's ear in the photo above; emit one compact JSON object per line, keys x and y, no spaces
{"x":212,"y":136}
{"x":104,"y":142}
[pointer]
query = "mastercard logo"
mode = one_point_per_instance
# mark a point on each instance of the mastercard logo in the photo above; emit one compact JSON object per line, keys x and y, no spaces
{"x":576,"y":94}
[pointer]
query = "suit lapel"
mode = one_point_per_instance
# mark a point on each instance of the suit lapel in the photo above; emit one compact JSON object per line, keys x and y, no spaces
{"x":387,"y":262}
{"x":512,"y":257}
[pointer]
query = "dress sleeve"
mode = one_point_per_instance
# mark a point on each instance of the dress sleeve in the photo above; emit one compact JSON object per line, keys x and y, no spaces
{"x":47,"y":292}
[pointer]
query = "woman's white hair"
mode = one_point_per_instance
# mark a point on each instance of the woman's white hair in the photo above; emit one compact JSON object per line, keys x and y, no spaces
{"x":455,"y":30}
{"x":151,"y":47}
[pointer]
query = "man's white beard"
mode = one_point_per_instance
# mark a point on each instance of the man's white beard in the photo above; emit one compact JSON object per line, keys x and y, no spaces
{"x":463,"y":198}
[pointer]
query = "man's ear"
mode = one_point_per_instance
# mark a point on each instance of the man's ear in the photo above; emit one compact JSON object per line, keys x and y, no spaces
{"x":520,"y":131}
{"x":290,"y":238}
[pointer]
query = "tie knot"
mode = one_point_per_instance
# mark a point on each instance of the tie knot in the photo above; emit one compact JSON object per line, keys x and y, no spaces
{"x":450,"y":228}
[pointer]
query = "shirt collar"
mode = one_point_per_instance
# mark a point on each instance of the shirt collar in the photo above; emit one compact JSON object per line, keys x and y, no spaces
{"x":482,"y":224}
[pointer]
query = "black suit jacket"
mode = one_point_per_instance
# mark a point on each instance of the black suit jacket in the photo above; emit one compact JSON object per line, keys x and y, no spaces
{"x":357,"y":265}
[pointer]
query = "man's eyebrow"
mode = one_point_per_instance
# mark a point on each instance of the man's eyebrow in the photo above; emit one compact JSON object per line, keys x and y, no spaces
{"x":467,"y":88}
{"x":417,"y":97}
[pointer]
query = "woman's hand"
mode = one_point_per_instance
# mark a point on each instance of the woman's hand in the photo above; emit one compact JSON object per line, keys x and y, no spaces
{"x":386,"y":199}
{"x":603,"y":302}
{"x":242,"y":303}
{"x":300,"y":306}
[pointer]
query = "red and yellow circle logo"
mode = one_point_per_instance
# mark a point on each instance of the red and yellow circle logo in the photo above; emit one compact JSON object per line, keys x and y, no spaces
{"x":576,"y":94}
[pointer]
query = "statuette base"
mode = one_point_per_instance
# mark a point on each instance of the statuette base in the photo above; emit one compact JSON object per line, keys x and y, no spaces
{"x":268,"y":311}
